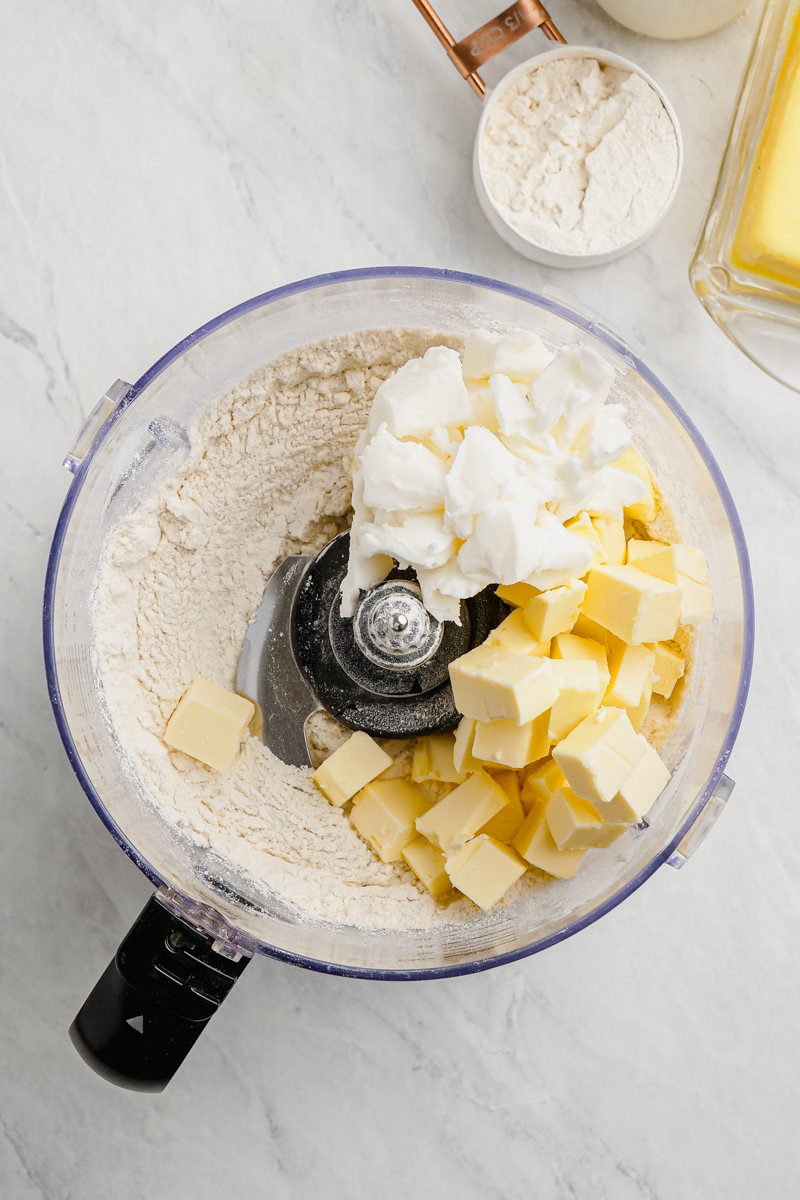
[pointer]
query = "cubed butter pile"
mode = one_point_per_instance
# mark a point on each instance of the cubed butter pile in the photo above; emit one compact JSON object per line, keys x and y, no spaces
{"x":547,"y":762}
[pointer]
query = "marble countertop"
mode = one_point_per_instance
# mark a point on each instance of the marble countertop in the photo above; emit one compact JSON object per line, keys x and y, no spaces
{"x":158,"y":164}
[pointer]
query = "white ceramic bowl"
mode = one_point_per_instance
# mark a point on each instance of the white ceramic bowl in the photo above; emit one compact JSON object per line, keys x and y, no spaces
{"x":555,"y":258}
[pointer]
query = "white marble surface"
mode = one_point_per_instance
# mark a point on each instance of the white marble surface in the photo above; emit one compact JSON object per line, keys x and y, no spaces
{"x":159,"y":163}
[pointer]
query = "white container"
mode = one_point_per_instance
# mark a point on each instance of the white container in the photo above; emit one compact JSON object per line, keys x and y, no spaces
{"x":556,"y":258}
{"x":675,"y":18}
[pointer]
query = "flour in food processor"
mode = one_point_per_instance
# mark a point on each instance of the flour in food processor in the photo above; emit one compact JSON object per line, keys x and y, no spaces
{"x":268,"y":475}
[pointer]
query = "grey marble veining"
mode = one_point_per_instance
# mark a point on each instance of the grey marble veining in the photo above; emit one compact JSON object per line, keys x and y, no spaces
{"x":158,"y":164}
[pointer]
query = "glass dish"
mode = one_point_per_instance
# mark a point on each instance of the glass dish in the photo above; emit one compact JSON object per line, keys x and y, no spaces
{"x":143,"y":440}
{"x":759,"y":313}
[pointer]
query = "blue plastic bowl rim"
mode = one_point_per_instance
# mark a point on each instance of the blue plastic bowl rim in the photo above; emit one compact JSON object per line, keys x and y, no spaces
{"x":550,"y":305}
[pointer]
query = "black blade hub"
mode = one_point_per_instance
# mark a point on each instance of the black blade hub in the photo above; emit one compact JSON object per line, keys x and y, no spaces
{"x":384,"y":671}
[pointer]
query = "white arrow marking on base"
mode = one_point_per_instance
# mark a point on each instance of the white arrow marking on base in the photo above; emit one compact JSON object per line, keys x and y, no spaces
{"x":136,"y":1023}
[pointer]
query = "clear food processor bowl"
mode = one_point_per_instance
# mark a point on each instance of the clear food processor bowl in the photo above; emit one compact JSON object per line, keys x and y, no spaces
{"x":144,"y":440}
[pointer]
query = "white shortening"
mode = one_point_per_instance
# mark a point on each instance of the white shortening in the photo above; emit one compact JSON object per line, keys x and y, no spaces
{"x":467,"y":471}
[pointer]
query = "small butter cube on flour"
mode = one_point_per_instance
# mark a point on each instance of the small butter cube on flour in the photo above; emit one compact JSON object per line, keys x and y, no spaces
{"x":433,"y":760}
{"x":641,"y":549}
{"x":536,"y":845}
{"x":542,"y":784}
{"x":669,"y":667}
{"x":517,"y":594}
{"x":490,"y":683}
{"x":577,"y":825}
{"x":611,"y":535}
{"x":646,"y":508}
{"x":630,"y":668}
{"x":673,"y":561}
{"x":599,"y":754}
{"x":350,"y":768}
{"x":459,"y":816}
{"x":505,"y":825}
{"x":640,"y":790}
{"x":579,"y":693}
{"x":583,"y":528}
{"x":514,"y":635}
{"x":506,"y":744}
{"x":484,"y":870}
{"x":209,"y":724}
{"x":634,"y":605}
{"x":554,"y":611}
{"x":384,"y":814}
{"x":428,"y":864}
{"x":569,"y":646}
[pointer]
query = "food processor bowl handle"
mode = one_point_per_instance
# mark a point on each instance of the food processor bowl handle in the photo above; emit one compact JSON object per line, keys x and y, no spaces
{"x":154,"y":999}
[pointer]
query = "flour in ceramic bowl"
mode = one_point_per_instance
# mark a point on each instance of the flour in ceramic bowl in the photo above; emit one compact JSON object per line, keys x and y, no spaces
{"x":269,"y":474}
{"x":579,"y":157}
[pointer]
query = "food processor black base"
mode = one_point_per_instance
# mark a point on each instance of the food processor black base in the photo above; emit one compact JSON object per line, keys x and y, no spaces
{"x":154,"y":1000}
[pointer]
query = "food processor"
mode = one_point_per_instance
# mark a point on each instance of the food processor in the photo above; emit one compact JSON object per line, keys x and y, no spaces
{"x":208,"y":917}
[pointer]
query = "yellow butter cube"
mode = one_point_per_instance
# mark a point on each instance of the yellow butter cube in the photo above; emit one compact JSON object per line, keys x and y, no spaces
{"x":696,"y":601}
{"x":583,"y":528}
{"x":517,"y":594}
{"x":640,"y":790}
{"x":637,"y":715}
{"x":384,"y":814}
{"x":535,"y":843}
{"x":579,"y":693}
{"x":209,"y":723}
{"x":510,"y":782}
{"x":350,"y":768}
{"x":542,"y":784}
{"x":674,"y":561}
{"x":514,"y":635}
{"x":570,"y":646}
{"x":463,"y":758}
{"x":554,"y":611}
{"x":641,"y":549}
{"x":428,"y":864}
{"x":433,"y":759}
{"x":668,"y":668}
{"x":584,"y":627}
{"x":506,"y":744}
{"x":459,"y":816}
{"x":577,"y":825}
{"x":505,"y":825}
{"x":611,"y":535}
{"x":630,"y":668}
{"x":490,"y":683}
{"x":484,"y":870}
{"x":599,"y":754}
{"x":646,"y":509}
{"x":634,"y":605}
